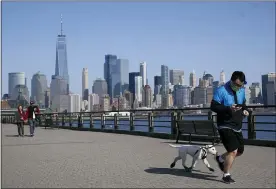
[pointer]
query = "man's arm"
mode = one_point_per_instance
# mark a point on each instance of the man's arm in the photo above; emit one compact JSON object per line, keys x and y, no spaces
{"x":217,"y":105}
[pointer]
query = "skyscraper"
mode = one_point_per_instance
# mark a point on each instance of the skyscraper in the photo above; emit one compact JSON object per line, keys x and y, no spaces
{"x":38,"y":88}
{"x":110,"y":62}
{"x":100,"y":87}
{"x":165,"y":85}
{"x":181,"y":96}
{"x":61,"y":68}
{"x":268,"y":80}
{"x":222,"y":77}
{"x":119,"y":77}
{"x":132,"y":76}
{"x":138,"y":88}
{"x":143,"y":72}
{"x":147,"y":96}
{"x":17,"y":78}
{"x":85,"y":90}
{"x":176,"y":77}
{"x":193,"y":79}
{"x":157,"y":80}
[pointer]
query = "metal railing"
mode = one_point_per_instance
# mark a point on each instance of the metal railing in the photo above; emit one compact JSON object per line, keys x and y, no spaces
{"x":155,"y":120}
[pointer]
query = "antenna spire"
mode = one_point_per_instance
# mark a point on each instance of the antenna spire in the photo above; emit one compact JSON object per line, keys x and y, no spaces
{"x":61,"y":24}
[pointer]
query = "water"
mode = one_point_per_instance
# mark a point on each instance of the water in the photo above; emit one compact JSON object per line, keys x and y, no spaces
{"x":165,"y":127}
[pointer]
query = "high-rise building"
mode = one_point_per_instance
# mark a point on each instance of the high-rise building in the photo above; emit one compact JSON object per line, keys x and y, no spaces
{"x":109,"y":64}
{"x":100,"y":87}
{"x":47,"y":98}
{"x":222,"y":77}
{"x":20,"y":90}
{"x":193,"y":79}
{"x":94,"y":99}
{"x":255,"y":93}
{"x":147,"y":96}
{"x":165,"y":85}
{"x":105,"y":103}
{"x":181,"y":96}
{"x":208,"y":79}
{"x":85,"y":90}
{"x":157,"y":80}
{"x":138,"y":88}
{"x":247,"y":94}
{"x":61,"y":68}
{"x":120,"y":77}
{"x":165,"y":79}
{"x":177,"y":77}
{"x":271,"y":93}
{"x":200,"y":95}
{"x":129,"y":98}
{"x":266,"y":79}
{"x":132,"y":76}
{"x":210,"y":92}
{"x":16,"y":78}
{"x":74,"y":103}
{"x":58,"y":87}
{"x":38,"y":88}
{"x":143,"y":73}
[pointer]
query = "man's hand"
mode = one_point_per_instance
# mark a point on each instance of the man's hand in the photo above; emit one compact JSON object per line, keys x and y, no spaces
{"x":234,"y":107}
{"x":245,"y":112}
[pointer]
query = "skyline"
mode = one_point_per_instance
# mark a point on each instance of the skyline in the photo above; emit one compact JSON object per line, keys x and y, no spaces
{"x":32,"y":38}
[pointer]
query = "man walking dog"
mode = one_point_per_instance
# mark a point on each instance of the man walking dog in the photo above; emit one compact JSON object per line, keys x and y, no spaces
{"x":229,"y":104}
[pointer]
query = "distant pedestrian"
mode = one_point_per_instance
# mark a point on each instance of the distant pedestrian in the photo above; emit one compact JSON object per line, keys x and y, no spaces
{"x":31,"y":115}
{"x":20,"y":116}
{"x":229,"y":104}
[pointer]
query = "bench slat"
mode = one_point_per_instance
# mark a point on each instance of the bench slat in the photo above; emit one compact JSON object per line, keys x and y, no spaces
{"x":186,"y":126}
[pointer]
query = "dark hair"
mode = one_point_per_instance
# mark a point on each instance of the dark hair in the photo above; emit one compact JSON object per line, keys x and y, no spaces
{"x":238,"y":75}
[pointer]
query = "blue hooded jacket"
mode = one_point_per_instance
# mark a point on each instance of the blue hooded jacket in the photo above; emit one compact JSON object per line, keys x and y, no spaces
{"x":224,"y":97}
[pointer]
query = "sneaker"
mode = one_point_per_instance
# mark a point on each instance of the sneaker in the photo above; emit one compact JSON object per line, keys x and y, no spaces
{"x":220,"y":164}
{"x":228,"y":180}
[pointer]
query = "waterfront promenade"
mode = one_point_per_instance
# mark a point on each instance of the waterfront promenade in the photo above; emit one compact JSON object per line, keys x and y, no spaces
{"x":56,"y":158}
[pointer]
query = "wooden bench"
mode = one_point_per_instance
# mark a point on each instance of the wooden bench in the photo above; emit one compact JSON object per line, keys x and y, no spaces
{"x":197,"y":127}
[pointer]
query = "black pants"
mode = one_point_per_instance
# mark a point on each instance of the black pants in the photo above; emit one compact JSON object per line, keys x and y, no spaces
{"x":232,"y":140}
{"x":20,"y":127}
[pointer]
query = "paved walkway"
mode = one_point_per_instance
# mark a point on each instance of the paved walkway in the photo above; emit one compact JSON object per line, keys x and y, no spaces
{"x":72,"y":159}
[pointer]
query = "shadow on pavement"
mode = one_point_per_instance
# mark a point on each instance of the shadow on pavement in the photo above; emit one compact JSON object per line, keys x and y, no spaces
{"x":181,"y":172}
{"x":12,"y":135}
{"x":186,"y":143}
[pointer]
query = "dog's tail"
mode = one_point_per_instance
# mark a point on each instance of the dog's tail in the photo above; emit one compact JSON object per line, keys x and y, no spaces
{"x":174,"y":146}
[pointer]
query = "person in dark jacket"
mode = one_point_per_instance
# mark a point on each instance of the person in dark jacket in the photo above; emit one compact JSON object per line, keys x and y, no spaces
{"x":20,"y":116}
{"x":229,"y":104}
{"x":31,"y":115}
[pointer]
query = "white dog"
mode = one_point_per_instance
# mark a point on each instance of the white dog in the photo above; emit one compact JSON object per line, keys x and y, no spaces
{"x":196,"y":152}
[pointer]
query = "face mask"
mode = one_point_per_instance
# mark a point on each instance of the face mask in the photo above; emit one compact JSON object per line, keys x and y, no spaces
{"x":234,"y":87}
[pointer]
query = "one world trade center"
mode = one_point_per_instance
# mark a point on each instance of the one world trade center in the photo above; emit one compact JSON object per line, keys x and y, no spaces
{"x":61,"y":67}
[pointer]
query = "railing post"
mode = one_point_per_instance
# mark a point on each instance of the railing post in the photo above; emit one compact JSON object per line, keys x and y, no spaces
{"x":70,"y":120}
{"x":115,"y":121}
{"x":102,"y":121}
{"x":80,"y":121}
{"x":210,"y":115}
{"x":57,"y":120}
{"x":63,"y":120}
{"x":251,"y":126}
{"x":131,"y":121}
{"x":91,"y":121}
{"x":150,"y":129}
{"x":173,"y":123}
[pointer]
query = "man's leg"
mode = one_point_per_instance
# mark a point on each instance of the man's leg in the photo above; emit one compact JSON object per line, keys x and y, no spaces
{"x":31,"y":124}
{"x":22,"y":128}
{"x":225,"y":161}
{"x":18,"y":129}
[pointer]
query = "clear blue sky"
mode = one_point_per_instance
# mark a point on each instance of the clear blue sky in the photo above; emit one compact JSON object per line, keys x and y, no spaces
{"x":183,"y":35}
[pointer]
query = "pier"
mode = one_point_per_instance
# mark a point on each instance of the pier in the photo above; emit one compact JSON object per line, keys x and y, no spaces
{"x":85,"y":150}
